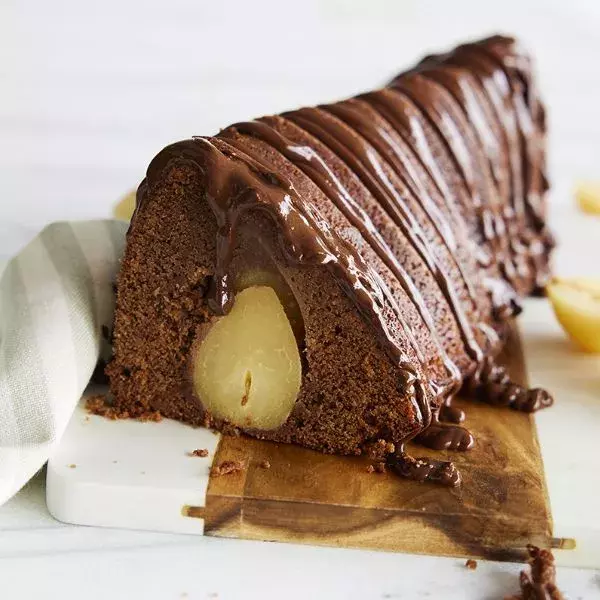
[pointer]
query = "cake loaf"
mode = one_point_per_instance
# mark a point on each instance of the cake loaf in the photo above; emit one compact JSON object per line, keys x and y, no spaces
{"x":333,"y":276}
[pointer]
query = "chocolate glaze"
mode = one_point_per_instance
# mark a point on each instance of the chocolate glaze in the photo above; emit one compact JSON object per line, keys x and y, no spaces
{"x":446,"y":437}
{"x":492,"y":384}
{"x":400,"y":159}
{"x":505,"y":76}
{"x":467,"y":147}
{"x":356,"y":153}
{"x":423,"y":469}
{"x":450,"y":414}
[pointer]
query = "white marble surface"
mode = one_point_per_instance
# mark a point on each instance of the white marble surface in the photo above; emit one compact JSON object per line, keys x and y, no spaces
{"x":90,"y":91}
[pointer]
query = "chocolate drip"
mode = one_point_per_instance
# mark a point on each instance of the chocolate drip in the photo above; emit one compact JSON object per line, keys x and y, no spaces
{"x":451,"y":414}
{"x":492,"y":384}
{"x":423,"y":469}
{"x":446,"y":437}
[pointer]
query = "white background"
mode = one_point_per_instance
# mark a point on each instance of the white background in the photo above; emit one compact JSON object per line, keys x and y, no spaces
{"x":90,"y":91}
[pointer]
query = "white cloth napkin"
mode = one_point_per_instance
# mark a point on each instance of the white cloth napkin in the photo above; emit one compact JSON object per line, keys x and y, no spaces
{"x":55,"y":297}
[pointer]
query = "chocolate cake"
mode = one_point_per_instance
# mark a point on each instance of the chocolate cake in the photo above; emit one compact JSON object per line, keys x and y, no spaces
{"x":333,"y":276}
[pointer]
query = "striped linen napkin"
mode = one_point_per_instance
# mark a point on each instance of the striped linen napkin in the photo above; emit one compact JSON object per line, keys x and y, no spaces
{"x":55,"y":296}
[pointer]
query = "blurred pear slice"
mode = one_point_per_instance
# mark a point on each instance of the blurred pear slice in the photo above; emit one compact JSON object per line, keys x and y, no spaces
{"x":123,"y":210}
{"x":588,"y":197}
{"x":576,"y":303}
{"x":247,"y":368}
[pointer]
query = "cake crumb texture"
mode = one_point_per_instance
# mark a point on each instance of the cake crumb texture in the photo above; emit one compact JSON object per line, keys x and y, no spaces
{"x":202,"y":452}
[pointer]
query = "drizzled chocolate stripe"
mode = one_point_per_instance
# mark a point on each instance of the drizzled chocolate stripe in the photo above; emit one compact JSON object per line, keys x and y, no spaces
{"x":353,"y":113}
{"x":466,"y":90}
{"x":399,"y":211}
{"x":348,"y":149}
{"x":365,"y":165}
{"x":496,"y":87}
{"x":523,"y":125}
{"x":530,"y":117}
{"x":405,"y":117}
{"x":480,"y":115}
{"x":526,"y":109}
{"x":410,"y":122}
{"x":445,"y":117}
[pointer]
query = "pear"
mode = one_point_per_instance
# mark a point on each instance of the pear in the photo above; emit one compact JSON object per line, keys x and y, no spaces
{"x":576,"y":303}
{"x":588,"y":197}
{"x":247,"y":368}
{"x":123,"y":210}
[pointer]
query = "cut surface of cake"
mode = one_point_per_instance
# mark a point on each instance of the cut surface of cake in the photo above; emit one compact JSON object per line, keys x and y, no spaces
{"x":333,"y":276}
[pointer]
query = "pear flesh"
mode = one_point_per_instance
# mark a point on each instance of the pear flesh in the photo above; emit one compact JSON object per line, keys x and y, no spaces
{"x":247,"y":369}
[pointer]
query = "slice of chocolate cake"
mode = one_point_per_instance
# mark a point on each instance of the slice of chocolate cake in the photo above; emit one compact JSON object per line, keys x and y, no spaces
{"x":332,"y":276}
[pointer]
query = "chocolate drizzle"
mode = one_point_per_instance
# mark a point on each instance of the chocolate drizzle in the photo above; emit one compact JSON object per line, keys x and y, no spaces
{"x":423,"y":469}
{"x":446,"y":437}
{"x":363,"y":161}
{"x":492,"y":384}
{"x":451,"y":154}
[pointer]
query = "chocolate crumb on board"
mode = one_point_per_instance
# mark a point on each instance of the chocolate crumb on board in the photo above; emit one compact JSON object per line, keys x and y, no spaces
{"x":227,"y":467}
{"x":541,"y":583}
{"x":471,"y":564}
{"x":152,"y":415}
{"x":265,"y":464}
{"x":202,"y":452}
{"x":378,"y":467}
{"x":380,"y":449}
{"x":102,"y":405}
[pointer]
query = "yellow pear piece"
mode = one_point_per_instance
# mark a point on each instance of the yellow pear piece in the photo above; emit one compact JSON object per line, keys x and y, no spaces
{"x":123,"y":210}
{"x":247,"y":368}
{"x":576,"y":303}
{"x":588,"y":197}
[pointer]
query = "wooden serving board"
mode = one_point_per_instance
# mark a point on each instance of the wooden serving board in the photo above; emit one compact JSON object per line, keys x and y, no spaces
{"x":318,"y":499}
{"x":141,"y":476}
